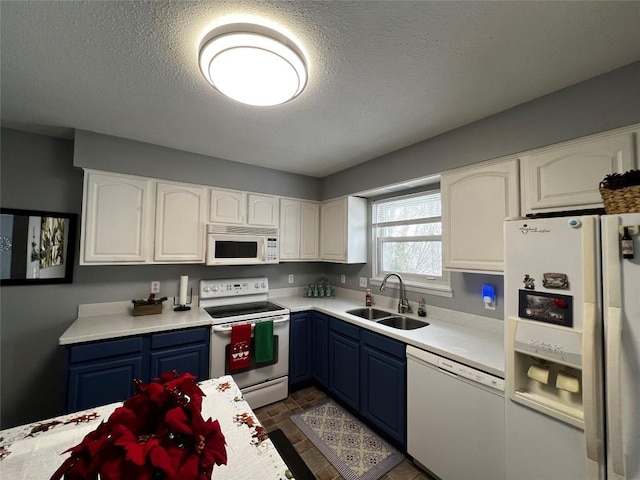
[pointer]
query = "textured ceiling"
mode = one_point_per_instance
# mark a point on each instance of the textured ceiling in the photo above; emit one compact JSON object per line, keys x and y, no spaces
{"x":383,"y":74}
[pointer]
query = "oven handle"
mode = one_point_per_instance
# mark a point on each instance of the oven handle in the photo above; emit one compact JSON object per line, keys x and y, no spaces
{"x":218,"y":328}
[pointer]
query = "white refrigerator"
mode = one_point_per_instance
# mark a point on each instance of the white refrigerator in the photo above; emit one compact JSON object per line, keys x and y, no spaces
{"x":572,"y":343}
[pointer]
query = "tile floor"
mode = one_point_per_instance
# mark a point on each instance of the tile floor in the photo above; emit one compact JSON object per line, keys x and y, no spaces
{"x":277,"y":415}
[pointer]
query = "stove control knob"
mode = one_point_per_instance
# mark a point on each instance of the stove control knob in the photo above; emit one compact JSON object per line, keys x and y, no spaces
{"x":262,"y":285}
{"x":215,"y":288}
{"x":206,"y":288}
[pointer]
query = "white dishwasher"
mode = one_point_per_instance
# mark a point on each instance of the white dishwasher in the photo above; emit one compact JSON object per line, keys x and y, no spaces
{"x":455,"y":418}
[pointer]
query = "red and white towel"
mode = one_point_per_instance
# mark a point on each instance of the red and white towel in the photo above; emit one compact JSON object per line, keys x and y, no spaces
{"x":240,"y":347}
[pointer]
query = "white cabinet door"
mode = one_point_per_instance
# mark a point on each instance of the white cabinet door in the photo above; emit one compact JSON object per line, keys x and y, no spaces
{"x":180,"y":223}
{"x":263,"y":210}
{"x":227,"y":206}
{"x":343,"y":230}
{"x":567,"y":176}
{"x":116,"y":219}
{"x":475,"y":202}
{"x":299,"y":230}
{"x":289,"y":229}
{"x":309,"y":231}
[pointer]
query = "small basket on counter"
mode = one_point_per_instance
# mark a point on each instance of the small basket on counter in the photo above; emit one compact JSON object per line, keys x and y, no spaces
{"x":150,"y":306}
{"x":620,"y":192}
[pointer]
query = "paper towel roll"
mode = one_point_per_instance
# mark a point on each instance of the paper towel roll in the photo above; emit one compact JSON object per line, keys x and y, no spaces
{"x":182,"y":295}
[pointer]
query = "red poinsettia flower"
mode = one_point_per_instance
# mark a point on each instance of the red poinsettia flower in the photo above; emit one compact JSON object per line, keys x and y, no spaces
{"x":159,"y":430}
{"x":208,"y":442}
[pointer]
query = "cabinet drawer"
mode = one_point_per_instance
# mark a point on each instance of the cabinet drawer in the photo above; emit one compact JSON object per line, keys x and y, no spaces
{"x":179,"y":337}
{"x":385,"y":344}
{"x":345,"y":328}
{"x":105,"y":349}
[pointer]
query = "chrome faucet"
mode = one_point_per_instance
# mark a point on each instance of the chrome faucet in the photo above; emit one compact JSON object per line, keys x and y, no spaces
{"x":403,"y":303}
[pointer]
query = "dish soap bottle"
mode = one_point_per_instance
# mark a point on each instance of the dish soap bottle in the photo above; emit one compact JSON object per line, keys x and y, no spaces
{"x":368,"y":300}
{"x":422,"y":312}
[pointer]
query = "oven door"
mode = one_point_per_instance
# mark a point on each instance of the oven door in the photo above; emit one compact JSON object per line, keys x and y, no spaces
{"x":256,"y":372}
{"x":235,"y":249}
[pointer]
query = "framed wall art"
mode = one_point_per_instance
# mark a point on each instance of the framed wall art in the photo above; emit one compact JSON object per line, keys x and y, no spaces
{"x":36,"y":247}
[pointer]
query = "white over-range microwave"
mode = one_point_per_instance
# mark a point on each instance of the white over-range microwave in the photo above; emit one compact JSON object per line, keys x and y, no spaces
{"x":240,"y":245}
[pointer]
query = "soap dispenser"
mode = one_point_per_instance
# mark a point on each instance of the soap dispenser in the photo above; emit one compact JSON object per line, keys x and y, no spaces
{"x":422,"y":312}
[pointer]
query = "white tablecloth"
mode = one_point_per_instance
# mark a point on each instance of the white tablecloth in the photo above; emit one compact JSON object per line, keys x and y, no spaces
{"x":34,"y":451}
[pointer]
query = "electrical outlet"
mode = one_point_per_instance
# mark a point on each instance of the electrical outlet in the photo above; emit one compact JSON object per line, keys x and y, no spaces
{"x":363,"y":282}
{"x":155,"y":287}
{"x":291,"y":278}
{"x":343,"y":278}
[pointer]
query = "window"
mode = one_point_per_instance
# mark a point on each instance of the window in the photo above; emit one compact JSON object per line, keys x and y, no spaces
{"x":407,"y":235}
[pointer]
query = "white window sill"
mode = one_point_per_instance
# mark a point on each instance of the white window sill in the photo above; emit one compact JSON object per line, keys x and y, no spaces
{"x":415,"y":287}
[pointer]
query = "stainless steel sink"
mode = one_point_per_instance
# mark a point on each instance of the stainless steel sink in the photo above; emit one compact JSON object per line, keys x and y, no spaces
{"x":369,"y":313}
{"x":401,"y":322}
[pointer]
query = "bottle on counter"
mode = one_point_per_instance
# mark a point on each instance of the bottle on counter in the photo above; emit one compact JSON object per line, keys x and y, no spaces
{"x":368,"y":300}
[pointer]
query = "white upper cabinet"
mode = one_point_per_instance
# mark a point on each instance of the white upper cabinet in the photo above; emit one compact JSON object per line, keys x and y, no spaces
{"x":475,"y":202}
{"x":299,"y":230}
{"x":343,"y":230}
{"x":567,"y":176}
{"x":243,"y":208}
{"x":180,"y":223}
{"x":117,"y":219}
{"x":309,"y":231}
{"x":264,"y":210}
{"x":227,"y":206}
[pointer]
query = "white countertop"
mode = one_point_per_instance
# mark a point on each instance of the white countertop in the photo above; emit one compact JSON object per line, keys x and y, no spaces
{"x":101,"y":321}
{"x":469,"y":339}
{"x":475,"y":341}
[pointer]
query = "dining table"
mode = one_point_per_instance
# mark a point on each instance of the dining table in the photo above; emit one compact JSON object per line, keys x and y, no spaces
{"x":34,"y":451}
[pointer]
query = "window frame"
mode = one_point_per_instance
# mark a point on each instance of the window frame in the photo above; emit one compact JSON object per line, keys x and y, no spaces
{"x":432,"y":285}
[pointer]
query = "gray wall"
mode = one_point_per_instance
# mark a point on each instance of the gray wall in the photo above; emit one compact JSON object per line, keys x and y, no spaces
{"x":38,"y":174}
{"x":114,"y":154}
{"x":596,"y":105}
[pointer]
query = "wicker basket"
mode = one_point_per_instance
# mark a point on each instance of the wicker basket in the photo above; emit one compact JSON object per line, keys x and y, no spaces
{"x":621,"y":200}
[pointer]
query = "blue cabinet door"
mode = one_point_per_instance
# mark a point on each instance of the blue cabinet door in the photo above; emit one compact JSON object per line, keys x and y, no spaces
{"x":384,"y":384}
{"x":192,"y":359}
{"x":99,"y":382}
{"x":300,"y":348}
{"x":344,"y":362}
{"x":183,"y":351}
{"x":320,"y":348}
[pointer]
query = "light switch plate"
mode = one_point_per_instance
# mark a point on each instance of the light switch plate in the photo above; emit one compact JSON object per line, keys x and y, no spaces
{"x":343,"y":278}
{"x":291,"y":278}
{"x":363,"y":282}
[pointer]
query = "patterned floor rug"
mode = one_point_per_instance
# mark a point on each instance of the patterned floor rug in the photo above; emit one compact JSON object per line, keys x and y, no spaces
{"x":353,"y":449}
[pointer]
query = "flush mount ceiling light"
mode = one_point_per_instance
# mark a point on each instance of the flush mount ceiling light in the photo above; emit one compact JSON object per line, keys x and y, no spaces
{"x":259,"y":67}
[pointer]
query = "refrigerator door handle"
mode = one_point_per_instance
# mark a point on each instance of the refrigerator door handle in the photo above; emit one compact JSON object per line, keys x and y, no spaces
{"x":614,"y":336}
{"x":589,"y":381}
{"x":612,"y":279}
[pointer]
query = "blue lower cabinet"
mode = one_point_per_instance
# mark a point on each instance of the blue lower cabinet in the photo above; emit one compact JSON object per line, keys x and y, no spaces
{"x":192,"y":359}
{"x":181,"y":351}
{"x":344,"y":362}
{"x":320,"y":348}
{"x":300,"y":367}
{"x":103,"y":372}
{"x":383,"y":382}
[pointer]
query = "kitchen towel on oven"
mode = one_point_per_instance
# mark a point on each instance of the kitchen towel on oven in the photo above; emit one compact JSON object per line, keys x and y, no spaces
{"x":263,"y":338}
{"x":240,"y":346}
